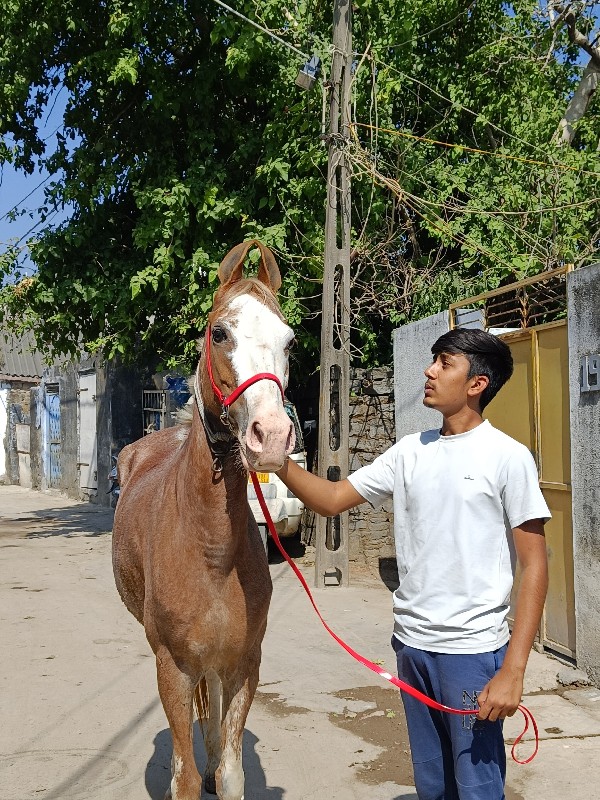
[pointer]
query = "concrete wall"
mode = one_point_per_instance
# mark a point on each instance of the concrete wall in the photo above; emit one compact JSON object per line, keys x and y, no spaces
{"x":583,"y":296}
{"x":412,"y":355}
{"x":119,"y":390}
{"x":118,"y":418}
{"x":36,"y":442}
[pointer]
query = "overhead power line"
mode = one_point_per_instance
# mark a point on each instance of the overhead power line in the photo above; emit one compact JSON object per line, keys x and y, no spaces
{"x":477,"y":150}
{"x":266,"y":31}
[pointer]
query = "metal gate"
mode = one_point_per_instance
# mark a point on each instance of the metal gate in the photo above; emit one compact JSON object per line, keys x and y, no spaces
{"x":54,"y":463}
{"x":88,"y":437}
{"x":155,"y":410}
{"x":533,"y":408}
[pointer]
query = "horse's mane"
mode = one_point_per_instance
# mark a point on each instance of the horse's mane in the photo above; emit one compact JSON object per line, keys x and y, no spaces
{"x":184,"y":415}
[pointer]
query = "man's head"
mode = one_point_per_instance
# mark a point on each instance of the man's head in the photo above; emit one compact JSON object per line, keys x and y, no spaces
{"x":481,"y":359}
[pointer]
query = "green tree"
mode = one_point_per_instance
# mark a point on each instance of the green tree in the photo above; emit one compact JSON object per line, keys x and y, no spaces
{"x":184,"y":133}
{"x":176,"y":145}
{"x":472,"y":95}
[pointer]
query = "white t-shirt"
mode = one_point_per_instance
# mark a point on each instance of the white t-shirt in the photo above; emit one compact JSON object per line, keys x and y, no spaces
{"x":456,"y":500}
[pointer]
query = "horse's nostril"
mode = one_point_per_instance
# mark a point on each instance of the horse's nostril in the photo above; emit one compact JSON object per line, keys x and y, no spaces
{"x":257,"y":433}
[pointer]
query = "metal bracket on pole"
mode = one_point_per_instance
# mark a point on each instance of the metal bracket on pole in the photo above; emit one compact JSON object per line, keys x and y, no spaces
{"x":332,"y":551}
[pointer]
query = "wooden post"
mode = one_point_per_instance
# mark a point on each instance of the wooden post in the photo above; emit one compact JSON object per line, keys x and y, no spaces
{"x":331,"y":557}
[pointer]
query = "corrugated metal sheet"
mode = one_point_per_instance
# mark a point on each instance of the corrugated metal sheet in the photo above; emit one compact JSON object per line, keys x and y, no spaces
{"x":19,"y":358}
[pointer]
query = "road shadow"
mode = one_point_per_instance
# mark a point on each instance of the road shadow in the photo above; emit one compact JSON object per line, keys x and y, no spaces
{"x":292,"y":546}
{"x":388,"y":572}
{"x":158,"y":770}
{"x":84,"y":520}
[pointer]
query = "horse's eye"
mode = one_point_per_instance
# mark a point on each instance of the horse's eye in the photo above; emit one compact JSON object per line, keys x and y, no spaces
{"x":218,"y":335}
{"x":290,"y":345}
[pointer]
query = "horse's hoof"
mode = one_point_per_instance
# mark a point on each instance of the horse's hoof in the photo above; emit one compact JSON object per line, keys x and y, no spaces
{"x":210,"y":784}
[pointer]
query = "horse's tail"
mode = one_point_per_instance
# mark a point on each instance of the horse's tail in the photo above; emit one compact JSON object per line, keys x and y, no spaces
{"x":202,"y":700}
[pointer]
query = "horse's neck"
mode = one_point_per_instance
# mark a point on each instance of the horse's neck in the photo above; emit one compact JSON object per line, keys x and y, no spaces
{"x":208,"y":486}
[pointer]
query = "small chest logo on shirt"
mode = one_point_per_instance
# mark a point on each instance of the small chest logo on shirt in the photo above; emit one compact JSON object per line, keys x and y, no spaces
{"x":469,"y":478}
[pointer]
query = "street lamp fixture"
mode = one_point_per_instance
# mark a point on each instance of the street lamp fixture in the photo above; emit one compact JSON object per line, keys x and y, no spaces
{"x":309,"y":73}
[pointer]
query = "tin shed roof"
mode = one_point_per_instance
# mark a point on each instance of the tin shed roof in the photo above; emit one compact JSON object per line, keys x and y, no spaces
{"x":19,"y":359}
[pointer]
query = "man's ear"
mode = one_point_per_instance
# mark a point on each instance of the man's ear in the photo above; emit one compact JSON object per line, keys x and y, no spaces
{"x":479,"y":384}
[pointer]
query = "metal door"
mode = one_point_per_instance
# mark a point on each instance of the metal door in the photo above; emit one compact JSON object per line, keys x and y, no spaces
{"x":88,"y":439}
{"x":533,"y":408}
{"x":54,"y":462}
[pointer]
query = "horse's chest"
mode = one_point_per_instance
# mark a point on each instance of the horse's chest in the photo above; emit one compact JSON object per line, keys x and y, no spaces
{"x":220,"y":632}
{"x":214,"y":624}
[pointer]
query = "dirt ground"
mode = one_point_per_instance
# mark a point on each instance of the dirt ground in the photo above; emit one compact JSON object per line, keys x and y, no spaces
{"x":81,"y":717}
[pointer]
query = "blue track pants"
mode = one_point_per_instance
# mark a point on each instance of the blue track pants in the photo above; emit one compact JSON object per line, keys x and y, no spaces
{"x":454,"y":757}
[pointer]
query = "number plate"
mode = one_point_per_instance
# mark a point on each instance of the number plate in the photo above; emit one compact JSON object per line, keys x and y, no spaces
{"x":263,"y":477}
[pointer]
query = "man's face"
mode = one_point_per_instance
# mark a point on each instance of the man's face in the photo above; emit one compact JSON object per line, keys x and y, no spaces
{"x":447,"y":386}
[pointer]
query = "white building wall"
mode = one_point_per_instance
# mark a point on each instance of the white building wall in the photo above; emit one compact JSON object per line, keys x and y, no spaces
{"x":3,"y":424}
{"x":583,"y":294}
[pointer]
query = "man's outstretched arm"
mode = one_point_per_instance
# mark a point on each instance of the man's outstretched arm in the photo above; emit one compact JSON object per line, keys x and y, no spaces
{"x":327,"y":498}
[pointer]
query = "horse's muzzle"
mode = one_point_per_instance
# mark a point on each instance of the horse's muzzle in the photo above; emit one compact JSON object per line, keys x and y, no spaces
{"x":269,"y":440}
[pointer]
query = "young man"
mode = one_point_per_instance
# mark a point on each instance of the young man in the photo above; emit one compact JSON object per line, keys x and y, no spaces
{"x":467,"y":505}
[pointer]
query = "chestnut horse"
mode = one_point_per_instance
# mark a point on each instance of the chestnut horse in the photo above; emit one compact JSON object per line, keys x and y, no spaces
{"x":187,"y":555}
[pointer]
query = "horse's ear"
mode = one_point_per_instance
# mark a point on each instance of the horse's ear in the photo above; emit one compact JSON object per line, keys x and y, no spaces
{"x":231,"y":268}
{"x":268,"y":271}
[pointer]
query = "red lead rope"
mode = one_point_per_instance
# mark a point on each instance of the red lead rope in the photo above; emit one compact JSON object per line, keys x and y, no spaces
{"x":528,"y":716}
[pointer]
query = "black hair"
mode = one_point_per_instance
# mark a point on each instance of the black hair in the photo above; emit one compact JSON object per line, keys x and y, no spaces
{"x":487,"y":355}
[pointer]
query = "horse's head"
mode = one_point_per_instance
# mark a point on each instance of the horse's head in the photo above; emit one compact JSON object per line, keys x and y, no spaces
{"x":248,"y":336}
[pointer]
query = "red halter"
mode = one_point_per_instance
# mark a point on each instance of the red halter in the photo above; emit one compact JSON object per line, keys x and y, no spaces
{"x":230,"y":399}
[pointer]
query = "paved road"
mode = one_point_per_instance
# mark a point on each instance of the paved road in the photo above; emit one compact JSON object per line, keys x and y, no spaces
{"x":81,"y":717}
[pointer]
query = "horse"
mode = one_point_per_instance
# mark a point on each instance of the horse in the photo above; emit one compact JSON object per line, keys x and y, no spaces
{"x":188,"y":559}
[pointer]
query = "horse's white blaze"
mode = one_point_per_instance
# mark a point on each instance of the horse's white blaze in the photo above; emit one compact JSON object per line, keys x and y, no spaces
{"x":261,"y":338}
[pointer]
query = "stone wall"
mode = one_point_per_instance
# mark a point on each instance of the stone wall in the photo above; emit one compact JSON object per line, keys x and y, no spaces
{"x":371,"y":537}
{"x":18,"y":413}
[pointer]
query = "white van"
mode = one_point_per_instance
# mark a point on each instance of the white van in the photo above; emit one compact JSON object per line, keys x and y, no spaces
{"x":285,"y":509}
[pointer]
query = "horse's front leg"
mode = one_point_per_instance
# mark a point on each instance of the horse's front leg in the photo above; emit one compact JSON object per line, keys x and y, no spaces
{"x":238,"y":694}
{"x":176,"y":691}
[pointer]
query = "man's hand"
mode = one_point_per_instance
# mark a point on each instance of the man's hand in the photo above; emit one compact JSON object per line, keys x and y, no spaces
{"x":501,"y":697}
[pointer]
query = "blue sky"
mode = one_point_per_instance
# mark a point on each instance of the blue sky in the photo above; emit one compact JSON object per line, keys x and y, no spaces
{"x":27,"y":191}
{"x":14,"y":188}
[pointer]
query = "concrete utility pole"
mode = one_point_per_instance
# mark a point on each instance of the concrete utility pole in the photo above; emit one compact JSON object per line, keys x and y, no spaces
{"x":331,"y":557}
